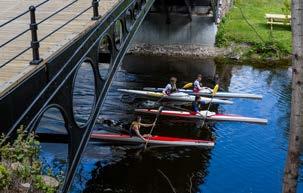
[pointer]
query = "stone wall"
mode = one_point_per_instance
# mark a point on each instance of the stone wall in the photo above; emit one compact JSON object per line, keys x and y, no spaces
{"x":223,"y":8}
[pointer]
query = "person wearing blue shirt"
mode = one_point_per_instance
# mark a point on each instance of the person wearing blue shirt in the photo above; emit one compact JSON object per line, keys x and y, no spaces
{"x":197,"y":104}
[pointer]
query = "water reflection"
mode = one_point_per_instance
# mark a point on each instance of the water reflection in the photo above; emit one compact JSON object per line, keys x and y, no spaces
{"x":140,"y":171}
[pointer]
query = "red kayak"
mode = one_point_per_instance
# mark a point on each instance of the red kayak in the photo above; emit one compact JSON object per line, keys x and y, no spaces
{"x":212,"y":116}
{"x":154,"y":140}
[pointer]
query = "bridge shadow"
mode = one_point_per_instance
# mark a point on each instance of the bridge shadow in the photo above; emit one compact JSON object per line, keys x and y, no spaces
{"x":143,"y":172}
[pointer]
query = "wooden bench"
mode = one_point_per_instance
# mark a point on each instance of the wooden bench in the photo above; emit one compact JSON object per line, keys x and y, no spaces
{"x":278,"y":19}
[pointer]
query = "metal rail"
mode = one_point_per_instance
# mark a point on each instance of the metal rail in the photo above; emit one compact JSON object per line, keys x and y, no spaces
{"x":33,"y":28}
{"x":66,"y":23}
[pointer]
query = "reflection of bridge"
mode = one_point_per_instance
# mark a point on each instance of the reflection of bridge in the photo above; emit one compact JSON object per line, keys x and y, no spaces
{"x":40,"y":63}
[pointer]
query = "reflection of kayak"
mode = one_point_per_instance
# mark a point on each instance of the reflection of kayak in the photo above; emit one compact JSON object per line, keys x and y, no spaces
{"x":154,"y":140}
{"x":208,"y":92}
{"x":179,"y":96}
{"x":210,"y":116}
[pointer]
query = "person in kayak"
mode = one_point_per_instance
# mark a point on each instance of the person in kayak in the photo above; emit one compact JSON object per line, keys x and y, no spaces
{"x":136,"y":125}
{"x":197,"y":104}
{"x":197,"y":86}
{"x":170,"y":87}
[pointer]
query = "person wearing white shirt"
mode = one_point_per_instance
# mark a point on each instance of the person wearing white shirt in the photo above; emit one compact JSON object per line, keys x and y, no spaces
{"x":170,"y":87}
{"x":197,"y":84}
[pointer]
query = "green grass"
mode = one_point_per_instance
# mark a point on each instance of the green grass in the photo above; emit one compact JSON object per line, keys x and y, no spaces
{"x":234,"y":28}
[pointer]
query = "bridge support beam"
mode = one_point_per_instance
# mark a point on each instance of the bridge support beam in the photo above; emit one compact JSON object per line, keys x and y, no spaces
{"x":52,"y":85}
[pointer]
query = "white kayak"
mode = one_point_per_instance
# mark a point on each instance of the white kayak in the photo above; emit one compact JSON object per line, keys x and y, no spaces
{"x":212,"y":116}
{"x":179,"y":96}
{"x":154,"y":140}
{"x":205,"y":91}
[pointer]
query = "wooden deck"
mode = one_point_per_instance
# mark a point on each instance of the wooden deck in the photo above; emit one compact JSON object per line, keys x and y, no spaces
{"x":18,"y":69}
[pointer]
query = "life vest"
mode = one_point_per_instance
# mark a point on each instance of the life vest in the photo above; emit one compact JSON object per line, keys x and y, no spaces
{"x":196,"y":89}
{"x":171,"y":90}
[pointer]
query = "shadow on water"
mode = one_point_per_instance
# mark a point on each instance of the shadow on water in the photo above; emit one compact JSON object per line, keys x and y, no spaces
{"x":141,"y":172}
{"x":246,"y":157}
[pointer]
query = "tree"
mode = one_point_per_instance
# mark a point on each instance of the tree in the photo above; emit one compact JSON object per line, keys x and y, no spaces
{"x":296,"y":121}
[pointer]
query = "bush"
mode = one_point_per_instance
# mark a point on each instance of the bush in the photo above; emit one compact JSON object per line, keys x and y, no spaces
{"x":4,"y":177}
{"x":269,"y":49}
{"x":20,"y":164}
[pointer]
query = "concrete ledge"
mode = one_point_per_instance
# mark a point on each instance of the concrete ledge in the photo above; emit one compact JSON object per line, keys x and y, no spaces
{"x":196,"y":51}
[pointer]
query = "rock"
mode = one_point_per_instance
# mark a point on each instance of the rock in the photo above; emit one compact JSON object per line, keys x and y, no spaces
{"x":26,"y":185}
{"x":16,"y":166}
{"x":50,"y":181}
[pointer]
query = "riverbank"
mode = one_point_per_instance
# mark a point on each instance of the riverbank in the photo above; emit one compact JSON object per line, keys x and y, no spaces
{"x":246,"y":25}
{"x":235,"y":52}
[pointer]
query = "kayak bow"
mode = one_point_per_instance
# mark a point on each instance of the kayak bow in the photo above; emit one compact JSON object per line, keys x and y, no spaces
{"x":208,"y":92}
{"x":212,"y":116}
{"x":179,"y":96}
{"x":154,"y":140}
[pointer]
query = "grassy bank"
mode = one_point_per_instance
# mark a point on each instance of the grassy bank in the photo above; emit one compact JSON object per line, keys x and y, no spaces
{"x":249,"y":28}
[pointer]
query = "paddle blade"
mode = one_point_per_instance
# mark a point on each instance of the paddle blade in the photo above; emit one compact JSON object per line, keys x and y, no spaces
{"x":188,"y":85}
{"x":215,"y":90}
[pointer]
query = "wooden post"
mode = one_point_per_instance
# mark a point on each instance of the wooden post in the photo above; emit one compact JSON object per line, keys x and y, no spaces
{"x":296,"y":122}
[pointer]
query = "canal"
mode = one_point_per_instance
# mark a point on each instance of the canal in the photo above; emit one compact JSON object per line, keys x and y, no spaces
{"x":246,"y":157}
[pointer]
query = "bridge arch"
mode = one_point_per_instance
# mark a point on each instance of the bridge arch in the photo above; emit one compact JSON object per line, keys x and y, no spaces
{"x":129,"y":20}
{"x":105,"y":56}
{"x":119,"y":34}
{"x":53,"y":109}
{"x":84,"y":93}
{"x":53,"y":122}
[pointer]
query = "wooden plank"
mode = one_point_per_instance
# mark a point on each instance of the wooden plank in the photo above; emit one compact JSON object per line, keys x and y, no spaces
{"x":278,"y":16}
{"x":19,"y":69}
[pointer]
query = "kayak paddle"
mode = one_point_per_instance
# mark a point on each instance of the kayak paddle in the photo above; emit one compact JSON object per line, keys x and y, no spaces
{"x":188,"y":85}
{"x":215,"y":90}
{"x":151,"y":131}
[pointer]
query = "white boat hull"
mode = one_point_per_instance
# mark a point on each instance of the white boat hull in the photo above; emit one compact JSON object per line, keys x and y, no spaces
{"x":208,"y":92}
{"x":175,"y":96}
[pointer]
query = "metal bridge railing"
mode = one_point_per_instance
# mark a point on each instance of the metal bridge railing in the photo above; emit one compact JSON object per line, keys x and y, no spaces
{"x":33,"y":28}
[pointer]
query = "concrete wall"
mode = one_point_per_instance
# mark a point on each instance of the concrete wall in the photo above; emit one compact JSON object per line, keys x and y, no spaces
{"x":186,"y":68}
{"x":154,"y":30}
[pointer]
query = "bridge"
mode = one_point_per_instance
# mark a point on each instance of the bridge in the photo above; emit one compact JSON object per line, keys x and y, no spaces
{"x":43,"y":46}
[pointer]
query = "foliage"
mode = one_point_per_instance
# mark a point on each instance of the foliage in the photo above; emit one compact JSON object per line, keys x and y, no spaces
{"x":4,"y":177}
{"x":286,"y":9}
{"x":20,"y":164}
{"x":221,"y":38}
{"x":235,"y":29}
{"x":268,"y":49}
{"x":40,"y":185}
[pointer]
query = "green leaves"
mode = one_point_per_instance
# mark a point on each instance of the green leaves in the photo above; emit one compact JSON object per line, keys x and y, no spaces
{"x":4,"y":177}
{"x":287,"y":7}
{"x":20,"y":163}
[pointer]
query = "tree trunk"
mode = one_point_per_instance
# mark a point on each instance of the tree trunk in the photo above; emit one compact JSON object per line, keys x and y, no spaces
{"x":296,"y":121}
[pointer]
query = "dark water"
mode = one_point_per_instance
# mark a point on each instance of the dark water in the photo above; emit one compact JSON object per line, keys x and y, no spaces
{"x":246,"y":158}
